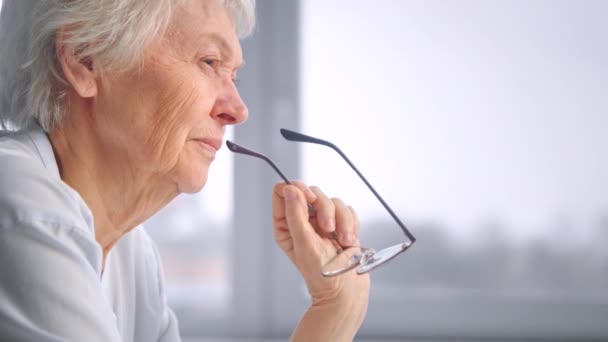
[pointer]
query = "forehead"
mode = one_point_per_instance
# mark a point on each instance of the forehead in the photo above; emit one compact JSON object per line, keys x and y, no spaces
{"x":200,"y":23}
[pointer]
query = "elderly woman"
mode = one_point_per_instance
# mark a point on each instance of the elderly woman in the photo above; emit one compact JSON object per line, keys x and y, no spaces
{"x":115,"y":108}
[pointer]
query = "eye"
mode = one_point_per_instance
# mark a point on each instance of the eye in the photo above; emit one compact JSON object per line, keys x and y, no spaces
{"x":212,"y":62}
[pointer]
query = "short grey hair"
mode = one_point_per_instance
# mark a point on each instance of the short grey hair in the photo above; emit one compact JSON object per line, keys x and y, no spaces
{"x":32,"y":86}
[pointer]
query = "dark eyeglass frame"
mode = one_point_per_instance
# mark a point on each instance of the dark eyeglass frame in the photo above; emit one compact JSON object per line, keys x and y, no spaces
{"x":299,"y":137}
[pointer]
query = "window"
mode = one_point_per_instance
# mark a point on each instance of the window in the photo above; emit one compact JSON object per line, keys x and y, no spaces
{"x":482,"y":124}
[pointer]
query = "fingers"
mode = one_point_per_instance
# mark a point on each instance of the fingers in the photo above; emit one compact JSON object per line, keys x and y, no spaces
{"x":310,"y":195}
{"x":356,"y":224}
{"x":325,"y":210}
{"x":290,"y":205}
{"x":278,"y":205}
{"x":334,"y":216}
{"x":347,"y":228}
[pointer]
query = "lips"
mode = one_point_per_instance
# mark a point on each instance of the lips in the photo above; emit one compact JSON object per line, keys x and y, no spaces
{"x":213,"y":143}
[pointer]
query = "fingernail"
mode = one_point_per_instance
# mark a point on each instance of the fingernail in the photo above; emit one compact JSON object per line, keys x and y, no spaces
{"x":350,"y":239}
{"x":330,"y":225}
{"x":289,"y":193}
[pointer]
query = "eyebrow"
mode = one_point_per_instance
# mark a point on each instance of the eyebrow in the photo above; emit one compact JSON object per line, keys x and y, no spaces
{"x":218,"y":39}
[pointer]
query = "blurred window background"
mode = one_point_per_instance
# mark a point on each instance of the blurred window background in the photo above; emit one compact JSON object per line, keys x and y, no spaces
{"x":484,"y":124}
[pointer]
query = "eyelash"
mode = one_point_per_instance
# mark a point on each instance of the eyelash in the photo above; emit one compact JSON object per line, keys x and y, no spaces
{"x":212,"y":62}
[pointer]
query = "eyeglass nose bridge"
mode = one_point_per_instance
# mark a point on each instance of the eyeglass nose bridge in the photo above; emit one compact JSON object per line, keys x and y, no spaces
{"x":376,"y":259}
{"x":367,"y":256}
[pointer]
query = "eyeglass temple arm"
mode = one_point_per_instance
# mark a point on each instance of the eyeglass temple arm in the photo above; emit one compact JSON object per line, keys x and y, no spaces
{"x":295,"y":136}
{"x":242,"y":150}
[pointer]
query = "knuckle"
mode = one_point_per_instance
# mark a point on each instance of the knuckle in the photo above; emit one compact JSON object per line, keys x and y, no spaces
{"x":331,"y":207}
{"x":352,"y":211}
{"x":316,"y":189}
{"x":298,"y":183}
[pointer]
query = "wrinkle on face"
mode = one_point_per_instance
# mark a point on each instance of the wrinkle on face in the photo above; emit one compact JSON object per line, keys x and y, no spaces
{"x":172,"y":98}
{"x":168,"y":125}
{"x":128,"y":151}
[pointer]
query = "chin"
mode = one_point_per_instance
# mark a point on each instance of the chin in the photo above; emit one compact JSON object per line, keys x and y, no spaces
{"x":193,"y":184}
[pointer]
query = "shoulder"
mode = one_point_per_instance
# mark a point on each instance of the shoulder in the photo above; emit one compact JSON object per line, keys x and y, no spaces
{"x":37,"y":209}
{"x":32,"y":192}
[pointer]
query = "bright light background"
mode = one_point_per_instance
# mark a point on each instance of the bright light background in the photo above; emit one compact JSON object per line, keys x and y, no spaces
{"x":461,"y":112}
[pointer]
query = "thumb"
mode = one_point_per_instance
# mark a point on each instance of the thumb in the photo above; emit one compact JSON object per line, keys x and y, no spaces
{"x":296,"y":215}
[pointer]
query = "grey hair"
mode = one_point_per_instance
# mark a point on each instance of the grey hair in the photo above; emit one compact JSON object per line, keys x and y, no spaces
{"x":32,"y":86}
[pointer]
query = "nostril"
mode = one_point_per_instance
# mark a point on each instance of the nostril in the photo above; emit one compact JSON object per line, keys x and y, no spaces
{"x":226,"y":118}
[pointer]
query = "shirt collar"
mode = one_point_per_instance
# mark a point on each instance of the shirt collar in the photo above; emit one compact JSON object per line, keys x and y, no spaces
{"x":43,"y":145}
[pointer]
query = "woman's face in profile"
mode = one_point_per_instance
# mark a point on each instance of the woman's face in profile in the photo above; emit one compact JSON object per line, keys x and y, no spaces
{"x":166,"y":118}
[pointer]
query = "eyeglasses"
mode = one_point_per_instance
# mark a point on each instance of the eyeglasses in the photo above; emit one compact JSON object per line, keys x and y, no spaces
{"x":350,"y":257}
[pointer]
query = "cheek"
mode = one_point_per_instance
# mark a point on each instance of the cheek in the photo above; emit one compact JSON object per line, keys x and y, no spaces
{"x":167,"y":122}
{"x":178,"y":115}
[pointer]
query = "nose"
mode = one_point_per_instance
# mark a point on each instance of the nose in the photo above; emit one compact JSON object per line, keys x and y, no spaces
{"x":229,"y":107}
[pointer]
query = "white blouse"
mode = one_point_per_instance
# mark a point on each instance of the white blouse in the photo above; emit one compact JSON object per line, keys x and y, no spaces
{"x":51,"y":284}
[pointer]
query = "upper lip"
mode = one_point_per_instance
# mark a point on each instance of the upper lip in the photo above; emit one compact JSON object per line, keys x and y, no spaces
{"x":213,"y":142}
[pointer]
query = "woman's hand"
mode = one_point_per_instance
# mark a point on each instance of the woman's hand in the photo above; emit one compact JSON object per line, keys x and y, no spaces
{"x":304,"y":239}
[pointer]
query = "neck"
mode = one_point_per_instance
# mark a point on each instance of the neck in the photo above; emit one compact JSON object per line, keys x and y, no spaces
{"x":120,"y":195}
